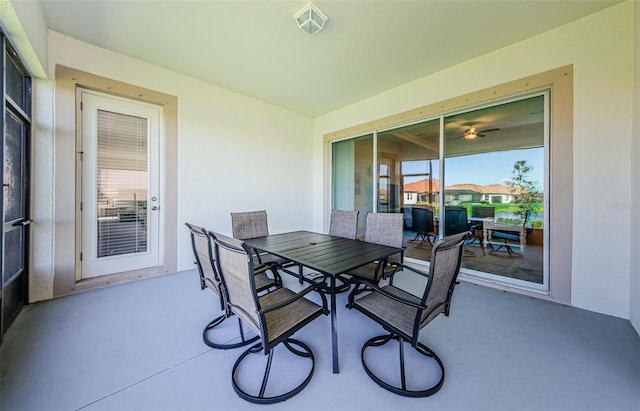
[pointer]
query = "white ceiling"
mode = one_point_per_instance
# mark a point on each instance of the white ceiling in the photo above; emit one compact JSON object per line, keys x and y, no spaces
{"x":256,"y":49}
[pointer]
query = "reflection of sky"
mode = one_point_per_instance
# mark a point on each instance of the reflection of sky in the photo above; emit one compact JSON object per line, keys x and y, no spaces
{"x":482,"y":169}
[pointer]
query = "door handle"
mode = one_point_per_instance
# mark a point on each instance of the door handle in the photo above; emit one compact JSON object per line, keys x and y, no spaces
{"x":154,"y":208}
{"x":23,"y":222}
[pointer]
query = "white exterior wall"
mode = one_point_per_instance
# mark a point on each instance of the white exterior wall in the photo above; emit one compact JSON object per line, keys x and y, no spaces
{"x":634,"y":281}
{"x":234,"y":153}
{"x":600,"y":49}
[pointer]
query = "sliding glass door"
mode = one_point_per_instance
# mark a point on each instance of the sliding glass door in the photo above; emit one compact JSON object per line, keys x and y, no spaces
{"x":483,"y":170}
{"x":352,"y":176}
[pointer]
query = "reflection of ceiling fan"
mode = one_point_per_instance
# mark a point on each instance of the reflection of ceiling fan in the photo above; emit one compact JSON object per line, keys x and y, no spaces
{"x":473,"y":132}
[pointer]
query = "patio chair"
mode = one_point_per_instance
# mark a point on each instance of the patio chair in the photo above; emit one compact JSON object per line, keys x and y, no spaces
{"x":252,"y":224}
{"x":344,"y":224}
{"x":385,"y":229}
{"x":476,"y":226}
{"x":275,"y":317}
{"x":422,"y":220}
{"x":403,"y":315}
{"x":456,"y":221}
{"x":201,"y":243}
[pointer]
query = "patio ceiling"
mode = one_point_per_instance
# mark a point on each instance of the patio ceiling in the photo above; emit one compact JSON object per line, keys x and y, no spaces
{"x":254,"y":47}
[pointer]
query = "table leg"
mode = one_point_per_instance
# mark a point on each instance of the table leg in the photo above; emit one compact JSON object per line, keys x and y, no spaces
{"x":334,"y":326}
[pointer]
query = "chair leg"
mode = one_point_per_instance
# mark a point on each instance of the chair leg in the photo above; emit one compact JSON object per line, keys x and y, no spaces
{"x":225,"y":346}
{"x":381,"y":340}
{"x":294,"y":346}
{"x":415,"y":239}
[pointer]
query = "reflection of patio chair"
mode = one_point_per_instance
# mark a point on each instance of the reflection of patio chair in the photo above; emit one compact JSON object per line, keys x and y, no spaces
{"x":509,"y":236}
{"x":456,"y":221}
{"x":476,"y":226}
{"x":422,"y":225}
{"x":408,"y":218}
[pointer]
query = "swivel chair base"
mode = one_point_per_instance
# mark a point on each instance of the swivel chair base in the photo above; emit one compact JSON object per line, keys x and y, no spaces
{"x":225,"y":346}
{"x":260,"y":398}
{"x":381,"y":340}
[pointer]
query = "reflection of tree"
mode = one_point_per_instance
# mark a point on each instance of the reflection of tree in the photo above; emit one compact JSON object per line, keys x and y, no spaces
{"x":528,"y":197}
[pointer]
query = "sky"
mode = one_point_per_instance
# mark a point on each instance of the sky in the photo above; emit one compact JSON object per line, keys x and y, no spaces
{"x":482,"y":169}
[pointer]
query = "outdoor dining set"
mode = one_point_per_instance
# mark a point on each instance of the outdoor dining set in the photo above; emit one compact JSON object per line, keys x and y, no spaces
{"x":245,"y":272}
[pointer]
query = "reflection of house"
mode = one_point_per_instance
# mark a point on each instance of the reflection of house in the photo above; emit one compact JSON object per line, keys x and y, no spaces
{"x":417,"y":192}
{"x":497,"y":193}
{"x":474,"y":193}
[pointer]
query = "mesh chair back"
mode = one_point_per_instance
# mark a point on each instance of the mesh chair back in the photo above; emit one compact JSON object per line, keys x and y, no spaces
{"x":446,"y":258}
{"x":483,"y":211}
{"x":236,"y":272}
{"x":408,"y":218}
{"x":250,"y":224}
{"x":344,"y":224}
{"x":455,"y":220}
{"x":422,"y":220}
{"x":203,"y":253}
{"x":385,"y":229}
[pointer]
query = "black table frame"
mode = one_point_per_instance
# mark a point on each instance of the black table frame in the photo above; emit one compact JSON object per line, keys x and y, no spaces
{"x":326,"y":254}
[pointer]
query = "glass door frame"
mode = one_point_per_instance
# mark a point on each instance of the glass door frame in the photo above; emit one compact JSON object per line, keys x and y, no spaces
{"x":465,"y":272}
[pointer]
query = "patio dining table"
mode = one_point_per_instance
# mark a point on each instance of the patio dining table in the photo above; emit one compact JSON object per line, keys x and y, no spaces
{"x":327,"y":255}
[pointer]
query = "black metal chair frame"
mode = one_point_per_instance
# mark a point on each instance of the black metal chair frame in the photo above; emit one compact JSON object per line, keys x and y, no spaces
{"x":456,"y":221}
{"x":422,"y":312}
{"x":294,"y":346}
{"x":218,"y":287}
{"x":422,"y":225}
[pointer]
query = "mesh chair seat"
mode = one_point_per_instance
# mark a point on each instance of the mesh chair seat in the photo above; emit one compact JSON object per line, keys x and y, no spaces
{"x":282,"y":320}
{"x":398,"y":315}
{"x":367,"y":272}
{"x":263,"y":282}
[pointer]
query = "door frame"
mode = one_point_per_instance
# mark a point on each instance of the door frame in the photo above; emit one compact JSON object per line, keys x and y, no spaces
{"x":122,"y":106}
{"x":23,"y":114}
{"x":560,"y":82}
{"x":64,"y":170}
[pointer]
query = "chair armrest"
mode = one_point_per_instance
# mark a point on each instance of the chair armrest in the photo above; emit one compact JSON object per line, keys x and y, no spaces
{"x":259,"y":269}
{"x":414,"y":270}
{"x":293,"y":298}
{"x":377,"y":289}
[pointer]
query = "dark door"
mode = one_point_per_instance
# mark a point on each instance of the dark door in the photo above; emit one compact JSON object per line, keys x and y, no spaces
{"x":16,"y":121}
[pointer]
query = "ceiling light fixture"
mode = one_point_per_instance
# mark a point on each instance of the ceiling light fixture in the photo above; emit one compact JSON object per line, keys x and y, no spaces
{"x":310,"y":19}
{"x":470,"y":134}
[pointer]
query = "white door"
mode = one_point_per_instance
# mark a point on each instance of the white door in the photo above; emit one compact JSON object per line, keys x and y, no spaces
{"x":120,"y":199}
